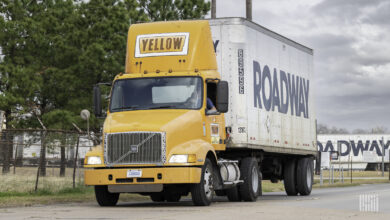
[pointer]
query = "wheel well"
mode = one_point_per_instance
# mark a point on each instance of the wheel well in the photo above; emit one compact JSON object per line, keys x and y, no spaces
{"x":212,"y":158}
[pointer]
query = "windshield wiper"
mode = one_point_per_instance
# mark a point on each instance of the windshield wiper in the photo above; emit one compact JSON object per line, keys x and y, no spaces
{"x":162,"y":106}
{"x":126,"y":107}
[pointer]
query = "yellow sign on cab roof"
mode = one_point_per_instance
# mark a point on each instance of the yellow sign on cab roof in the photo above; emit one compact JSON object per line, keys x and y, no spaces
{"x":166,"y":44}
{"x":170,"y":47}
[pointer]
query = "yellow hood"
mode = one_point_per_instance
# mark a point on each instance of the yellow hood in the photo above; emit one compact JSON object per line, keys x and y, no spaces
{"x":185,"y":125}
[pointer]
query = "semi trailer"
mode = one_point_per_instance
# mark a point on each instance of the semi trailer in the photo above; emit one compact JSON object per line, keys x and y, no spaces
{"x":207,"y":107}
{"x":355,"y":151}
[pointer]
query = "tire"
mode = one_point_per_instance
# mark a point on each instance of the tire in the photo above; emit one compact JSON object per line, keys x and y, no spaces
{"x":104,"y":197}
{"x":173,"y":197}
{"x":233,"y":194}
{"x":220,"y":192}
{"x":290,"y":184}
{"x":250,"y":174}
{"x":157,"y":197}
{"x":305,"y":176}
{"x":202,"y":193}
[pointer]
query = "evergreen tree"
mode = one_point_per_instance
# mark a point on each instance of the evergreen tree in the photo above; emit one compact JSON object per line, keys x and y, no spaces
{"x":164,"y":10}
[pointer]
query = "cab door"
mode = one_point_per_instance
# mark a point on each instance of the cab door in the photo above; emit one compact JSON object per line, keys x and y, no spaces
{"x":214,"y":121}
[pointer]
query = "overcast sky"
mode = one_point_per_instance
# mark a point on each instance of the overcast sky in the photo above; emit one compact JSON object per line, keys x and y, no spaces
{"x":351,"y":42}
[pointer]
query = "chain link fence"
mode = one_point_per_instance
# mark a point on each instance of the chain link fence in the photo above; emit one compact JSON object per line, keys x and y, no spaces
{"x":49,"y":160}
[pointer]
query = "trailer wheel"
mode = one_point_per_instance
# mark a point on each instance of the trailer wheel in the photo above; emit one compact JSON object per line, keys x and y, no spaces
{"x":157,"y":197}
{"x":202,"y":193}
{"x":250,"y":189}
{"x":173,"y":197}
{"x":104,"y":197}
{"x":289,"y":181}
{"x":305,"y":176}
{"x":233,"y":194}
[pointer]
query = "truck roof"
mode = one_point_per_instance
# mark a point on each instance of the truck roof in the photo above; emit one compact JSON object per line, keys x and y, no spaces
{"x":170,"y":46}
{"x":257,"y":27}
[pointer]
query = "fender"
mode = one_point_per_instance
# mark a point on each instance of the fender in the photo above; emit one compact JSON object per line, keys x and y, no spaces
{"x":198,"y":147}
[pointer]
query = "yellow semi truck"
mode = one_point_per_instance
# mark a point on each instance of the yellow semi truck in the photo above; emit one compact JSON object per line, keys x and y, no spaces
{"x":206,"y":107}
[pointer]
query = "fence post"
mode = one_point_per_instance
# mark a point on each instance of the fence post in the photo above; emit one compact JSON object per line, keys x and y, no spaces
{"x":42,"y":161}
{"x":332,"y":173}
{"x":321,"y":177}
{"x":75,"y":161}
{"x":76,"y":154}
{"x":351,"y":169}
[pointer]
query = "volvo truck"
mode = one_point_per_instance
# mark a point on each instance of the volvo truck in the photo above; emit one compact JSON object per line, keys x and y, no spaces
{"x":205,"y":108}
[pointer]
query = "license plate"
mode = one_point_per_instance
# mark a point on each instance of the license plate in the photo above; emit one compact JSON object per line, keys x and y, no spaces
{"x":134,"y":173}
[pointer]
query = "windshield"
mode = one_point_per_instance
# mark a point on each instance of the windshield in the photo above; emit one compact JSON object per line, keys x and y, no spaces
{"x":156,"y":93}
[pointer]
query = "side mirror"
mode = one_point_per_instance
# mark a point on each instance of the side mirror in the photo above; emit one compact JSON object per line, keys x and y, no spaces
{"x":97,"y":105}
{"x":222,"y":97}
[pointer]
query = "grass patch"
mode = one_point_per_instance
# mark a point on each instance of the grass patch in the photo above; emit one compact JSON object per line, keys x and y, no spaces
{"x":42,"y":196}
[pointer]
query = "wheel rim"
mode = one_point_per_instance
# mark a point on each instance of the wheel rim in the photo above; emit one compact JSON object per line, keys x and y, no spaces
{"x":308,"y":176}
{"x":208,"y":183}
{"x":255,"y":179}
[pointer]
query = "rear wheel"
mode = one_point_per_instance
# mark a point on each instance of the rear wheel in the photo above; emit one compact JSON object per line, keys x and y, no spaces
{"x":250,"y":189}
{"x":305,"y":176}
{"x":202,"y":193}
{"x":104,"y":197}
{"x":289,"y":181}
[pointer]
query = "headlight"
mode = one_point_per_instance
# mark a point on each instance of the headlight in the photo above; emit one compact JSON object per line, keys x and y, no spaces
{"x":182,"y":158}
{"x":93,"y":160}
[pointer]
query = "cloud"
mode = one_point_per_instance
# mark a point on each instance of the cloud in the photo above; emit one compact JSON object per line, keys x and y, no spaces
{"x":350,"y":39}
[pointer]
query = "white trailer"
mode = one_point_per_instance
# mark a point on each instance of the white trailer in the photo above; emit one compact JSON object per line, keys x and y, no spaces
{"x":271,"y":99}
{"x":356,"y":151}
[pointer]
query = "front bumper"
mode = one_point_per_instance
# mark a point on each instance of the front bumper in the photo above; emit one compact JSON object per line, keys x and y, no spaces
{"x":169,"y":175}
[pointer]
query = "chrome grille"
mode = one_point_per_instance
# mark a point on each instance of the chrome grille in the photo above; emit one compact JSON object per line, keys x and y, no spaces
{"x":134,"y":148}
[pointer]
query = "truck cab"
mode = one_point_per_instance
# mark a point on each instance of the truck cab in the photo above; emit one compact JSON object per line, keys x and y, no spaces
{"x":165,"y":117}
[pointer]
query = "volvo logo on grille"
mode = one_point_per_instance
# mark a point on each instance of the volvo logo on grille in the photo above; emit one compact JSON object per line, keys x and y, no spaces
{"x":133,"y":148}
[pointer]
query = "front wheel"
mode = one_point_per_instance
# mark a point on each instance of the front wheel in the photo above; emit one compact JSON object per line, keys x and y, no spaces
{"x":202,"y":193}
{"x":104,"y":197}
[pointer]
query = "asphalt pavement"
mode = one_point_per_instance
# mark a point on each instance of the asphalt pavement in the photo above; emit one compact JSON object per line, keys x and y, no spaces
{"x":327,"y":203}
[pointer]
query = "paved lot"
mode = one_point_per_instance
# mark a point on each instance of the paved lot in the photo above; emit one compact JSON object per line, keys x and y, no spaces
{"x":330,"y":203}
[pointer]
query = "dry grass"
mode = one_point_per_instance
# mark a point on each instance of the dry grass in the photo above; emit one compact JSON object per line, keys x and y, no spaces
{"x":24,"y":180}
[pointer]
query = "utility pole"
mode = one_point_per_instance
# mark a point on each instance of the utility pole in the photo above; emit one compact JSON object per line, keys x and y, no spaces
{"x":249,"y":10}
{"x":383,"y":156}
{"x":213,"y":9}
